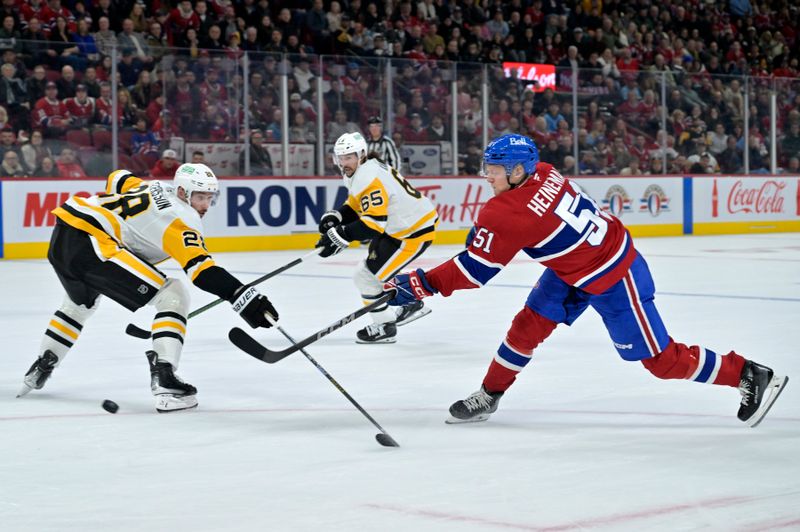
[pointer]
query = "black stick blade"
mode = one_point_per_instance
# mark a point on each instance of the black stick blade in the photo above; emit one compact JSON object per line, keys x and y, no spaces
{"x":386,"y":440}
{"x":247,"y":343}
{"x":137,"y":332}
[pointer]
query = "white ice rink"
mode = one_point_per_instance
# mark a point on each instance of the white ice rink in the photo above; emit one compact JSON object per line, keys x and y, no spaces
{"x":582,"y":441}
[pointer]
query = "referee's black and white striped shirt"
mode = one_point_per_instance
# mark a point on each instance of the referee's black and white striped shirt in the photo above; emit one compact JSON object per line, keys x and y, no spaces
{"x":386,"y":150}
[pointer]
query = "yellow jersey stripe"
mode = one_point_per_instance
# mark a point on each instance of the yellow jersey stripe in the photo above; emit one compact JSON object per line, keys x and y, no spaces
{"x":420,"y":223}
{"x":108,"y":247}
{"x":105,"y":213}
{"x":372,"y":225}
{"x":139,"y":266}
{"x":131,"y":182}
{"x":206,"y":264}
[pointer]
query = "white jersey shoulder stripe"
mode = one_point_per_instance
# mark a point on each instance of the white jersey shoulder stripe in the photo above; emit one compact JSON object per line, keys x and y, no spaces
{"x":485,"y":262}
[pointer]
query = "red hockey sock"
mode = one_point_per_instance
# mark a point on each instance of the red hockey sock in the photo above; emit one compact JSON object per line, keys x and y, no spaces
{"x":731,"y":371}
{"x":499,"y":378}
{"x":679,"y":361}
{"x":528,"y":330}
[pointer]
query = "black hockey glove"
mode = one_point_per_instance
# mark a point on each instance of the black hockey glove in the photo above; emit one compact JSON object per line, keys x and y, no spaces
{"x":253,"y":307}
{"x":332,"y":242}
{"x":329,"y":219}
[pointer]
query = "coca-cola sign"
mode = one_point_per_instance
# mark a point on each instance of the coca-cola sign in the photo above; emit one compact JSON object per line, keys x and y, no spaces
{"x":759,"y":198}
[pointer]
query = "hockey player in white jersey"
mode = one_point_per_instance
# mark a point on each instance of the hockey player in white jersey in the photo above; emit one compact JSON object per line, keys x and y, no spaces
{"x":108,"y":244}
{"x":397,"y":219}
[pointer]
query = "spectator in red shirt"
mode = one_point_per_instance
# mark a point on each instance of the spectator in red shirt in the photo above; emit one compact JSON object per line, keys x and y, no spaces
{"x":181,"y":19}
{"x":629,"y":109}
{"x":50,"y":114}
{"x":31,"y":9}
{"x":81,"y":108}
{"x":68,"y":165}
{"x":53,"y":10}
{"x":165,"y":128}
{"x":211,"y":88}
{"x":628,"y":65}
{"x":166,"y":166}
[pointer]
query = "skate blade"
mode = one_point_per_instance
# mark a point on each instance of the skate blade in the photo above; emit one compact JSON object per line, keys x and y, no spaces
{"x":776,"y":386}
{"x":391,"y":340}
{"x":455,"y":421}
{"x":424,"y":311}
{"x":173,"y":403}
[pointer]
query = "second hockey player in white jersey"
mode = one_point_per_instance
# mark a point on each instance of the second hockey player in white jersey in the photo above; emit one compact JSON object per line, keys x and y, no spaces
{"x":397,"y":219}
{"x":108,"y":244}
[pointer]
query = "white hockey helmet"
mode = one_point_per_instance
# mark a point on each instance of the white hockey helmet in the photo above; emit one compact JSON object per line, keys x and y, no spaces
{"x":196,"y":177}
{"x":349,"y":143}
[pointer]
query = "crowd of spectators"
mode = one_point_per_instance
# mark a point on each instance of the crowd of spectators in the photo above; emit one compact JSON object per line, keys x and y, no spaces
{"x":180,"y":74}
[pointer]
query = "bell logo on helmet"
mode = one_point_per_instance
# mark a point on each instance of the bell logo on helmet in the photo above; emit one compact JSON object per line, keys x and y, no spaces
{"x":511,"y":151}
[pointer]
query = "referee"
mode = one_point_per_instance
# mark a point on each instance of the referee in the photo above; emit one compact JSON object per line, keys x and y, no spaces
{"x":382,"y":145}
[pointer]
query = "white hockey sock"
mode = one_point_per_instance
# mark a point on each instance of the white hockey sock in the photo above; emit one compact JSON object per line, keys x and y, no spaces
{"x":383,"y":314}
{"x":169,"y":330}
{"x":169,"y":324}
{"x":64,"y":328}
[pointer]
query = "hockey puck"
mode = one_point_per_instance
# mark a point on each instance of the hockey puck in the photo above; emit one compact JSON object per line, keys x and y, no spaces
{"x":110,"y":406}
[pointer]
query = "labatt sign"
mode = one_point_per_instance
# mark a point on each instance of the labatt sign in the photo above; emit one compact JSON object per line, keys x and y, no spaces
{"x":542,"y":76}
{"x":753,"y":196}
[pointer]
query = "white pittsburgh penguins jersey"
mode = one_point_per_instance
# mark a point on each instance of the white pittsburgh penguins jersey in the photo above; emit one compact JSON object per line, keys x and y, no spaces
{"x":387,"y":203}
{"x":145,"y":217}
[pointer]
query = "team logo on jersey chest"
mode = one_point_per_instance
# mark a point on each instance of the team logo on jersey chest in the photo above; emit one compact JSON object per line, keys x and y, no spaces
{"x":617,"y":201}
{"x":654,"y":201}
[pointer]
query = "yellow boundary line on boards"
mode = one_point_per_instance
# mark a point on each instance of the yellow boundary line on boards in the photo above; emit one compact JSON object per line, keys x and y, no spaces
{"x":735,"y":228}
{"x":38,"y":250}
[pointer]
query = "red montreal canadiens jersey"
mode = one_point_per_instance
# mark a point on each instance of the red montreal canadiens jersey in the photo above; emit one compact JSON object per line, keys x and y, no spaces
{"x":556,"y":224}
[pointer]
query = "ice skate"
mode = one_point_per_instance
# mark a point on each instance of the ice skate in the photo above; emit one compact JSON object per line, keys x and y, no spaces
{"x":477,"y":407}
{"x":377,"y":333}
{"x":170,"y":392}
{"x":40,"y":371}
{"x":411,"y":312}
{"x":759,"y":388}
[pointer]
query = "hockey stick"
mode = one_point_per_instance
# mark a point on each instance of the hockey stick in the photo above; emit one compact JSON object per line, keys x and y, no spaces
{"x":138,"y":332}
{"x":255,"y":349}
{"x":382,"y":437}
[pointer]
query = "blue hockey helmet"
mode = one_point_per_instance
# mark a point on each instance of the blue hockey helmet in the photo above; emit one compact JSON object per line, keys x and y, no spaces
{"x":512,"y":150}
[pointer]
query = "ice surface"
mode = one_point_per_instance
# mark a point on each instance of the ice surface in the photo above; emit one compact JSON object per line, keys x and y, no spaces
{"x":582,"y":441}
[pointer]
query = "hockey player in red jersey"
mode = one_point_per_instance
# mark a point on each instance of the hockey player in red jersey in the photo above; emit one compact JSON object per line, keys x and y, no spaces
{"x":590,"y":261}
